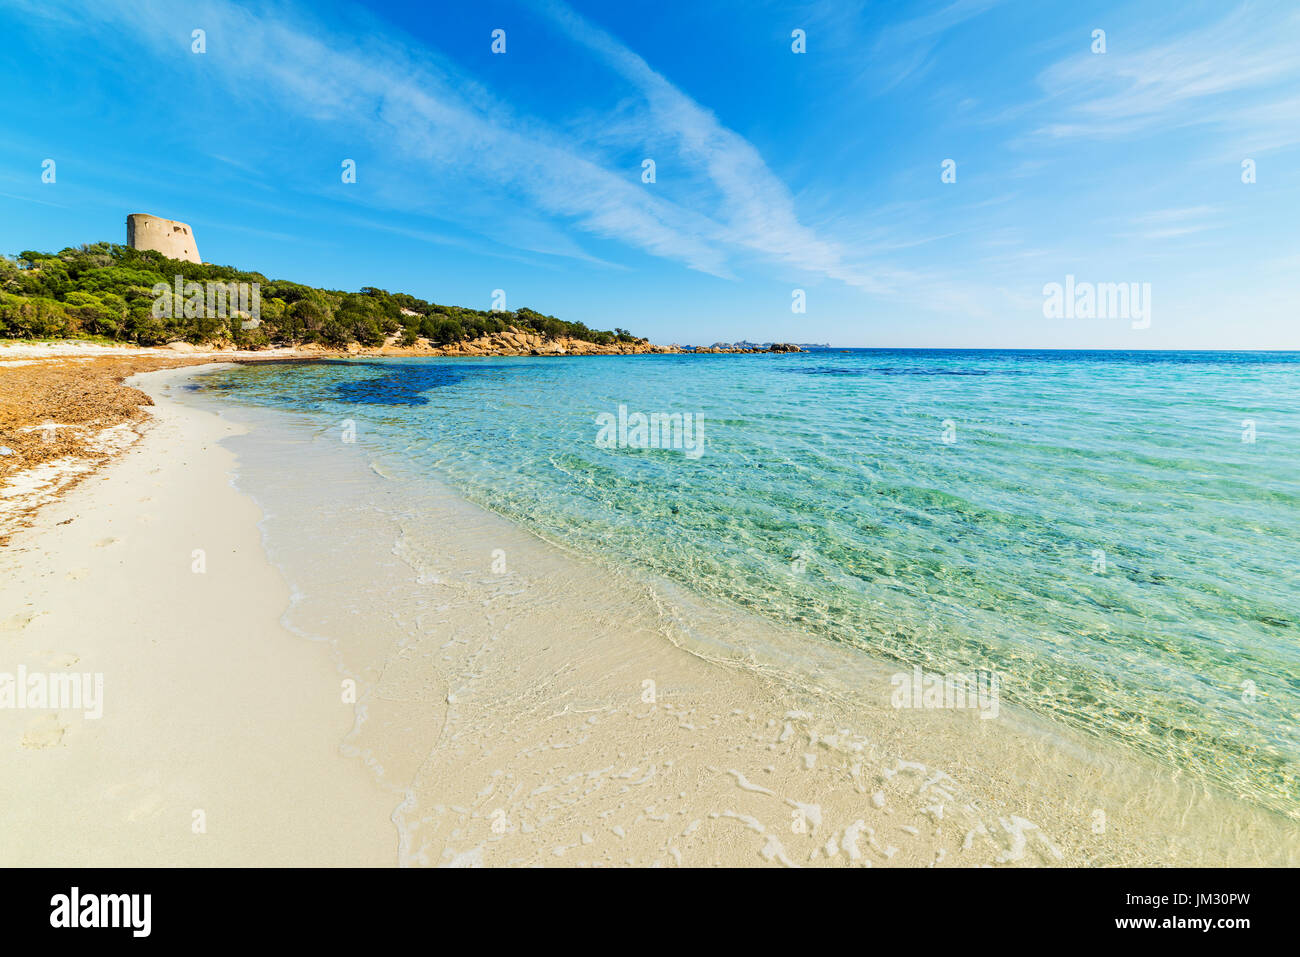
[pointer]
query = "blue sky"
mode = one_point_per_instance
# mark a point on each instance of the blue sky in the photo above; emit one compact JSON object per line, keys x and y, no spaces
{"x":775,"y":170}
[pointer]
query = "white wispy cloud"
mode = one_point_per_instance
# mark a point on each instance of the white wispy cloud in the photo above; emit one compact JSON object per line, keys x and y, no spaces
{"x":1200,"y":77}
{"x":910,"y":44}
{"x":448,"y":130}
{"x":443,"y":147}
{"x":373,"y":89}
{"x":754,"y":211}
{"x":1176,"y":222}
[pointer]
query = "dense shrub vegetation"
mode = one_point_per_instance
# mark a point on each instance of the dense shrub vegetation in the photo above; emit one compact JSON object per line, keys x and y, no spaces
{"x":107,"y":290}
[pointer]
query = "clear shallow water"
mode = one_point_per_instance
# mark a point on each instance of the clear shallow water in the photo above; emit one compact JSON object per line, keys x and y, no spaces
{"x":827,"y":499}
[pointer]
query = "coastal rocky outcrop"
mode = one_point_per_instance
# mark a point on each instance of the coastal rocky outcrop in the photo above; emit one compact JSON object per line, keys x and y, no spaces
{"x":510,"y":342}
{"x":517,"y":342}
{"x":746,"y":349}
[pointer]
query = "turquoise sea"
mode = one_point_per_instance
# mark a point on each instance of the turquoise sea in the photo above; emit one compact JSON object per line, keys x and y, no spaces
{"x":1116,"y":535}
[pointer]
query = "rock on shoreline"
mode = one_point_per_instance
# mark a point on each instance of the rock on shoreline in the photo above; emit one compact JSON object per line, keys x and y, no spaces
{"x":510,"y":342}
{"x":515,"y":342}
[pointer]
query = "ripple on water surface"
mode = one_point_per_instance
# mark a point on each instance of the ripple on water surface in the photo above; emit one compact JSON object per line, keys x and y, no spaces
{"x":1116,"y":534}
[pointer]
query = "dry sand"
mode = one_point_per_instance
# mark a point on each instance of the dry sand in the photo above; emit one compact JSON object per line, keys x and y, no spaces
{"x":209,"y":707}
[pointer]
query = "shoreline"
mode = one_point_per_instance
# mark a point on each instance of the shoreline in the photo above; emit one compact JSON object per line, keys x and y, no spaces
{"x":578,"y":626}
{"x":521,"y":737}
{"x":66,"y":410}
{"x":217,"y":744}
{"x":20,"y":352}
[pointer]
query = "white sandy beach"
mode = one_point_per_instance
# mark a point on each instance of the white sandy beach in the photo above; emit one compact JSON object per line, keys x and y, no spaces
{"x":208,"y":706}
{"x":503,"y":721}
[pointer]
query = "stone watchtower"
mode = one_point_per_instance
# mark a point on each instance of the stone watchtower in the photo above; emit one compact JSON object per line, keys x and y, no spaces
{"x":174,"y":240}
